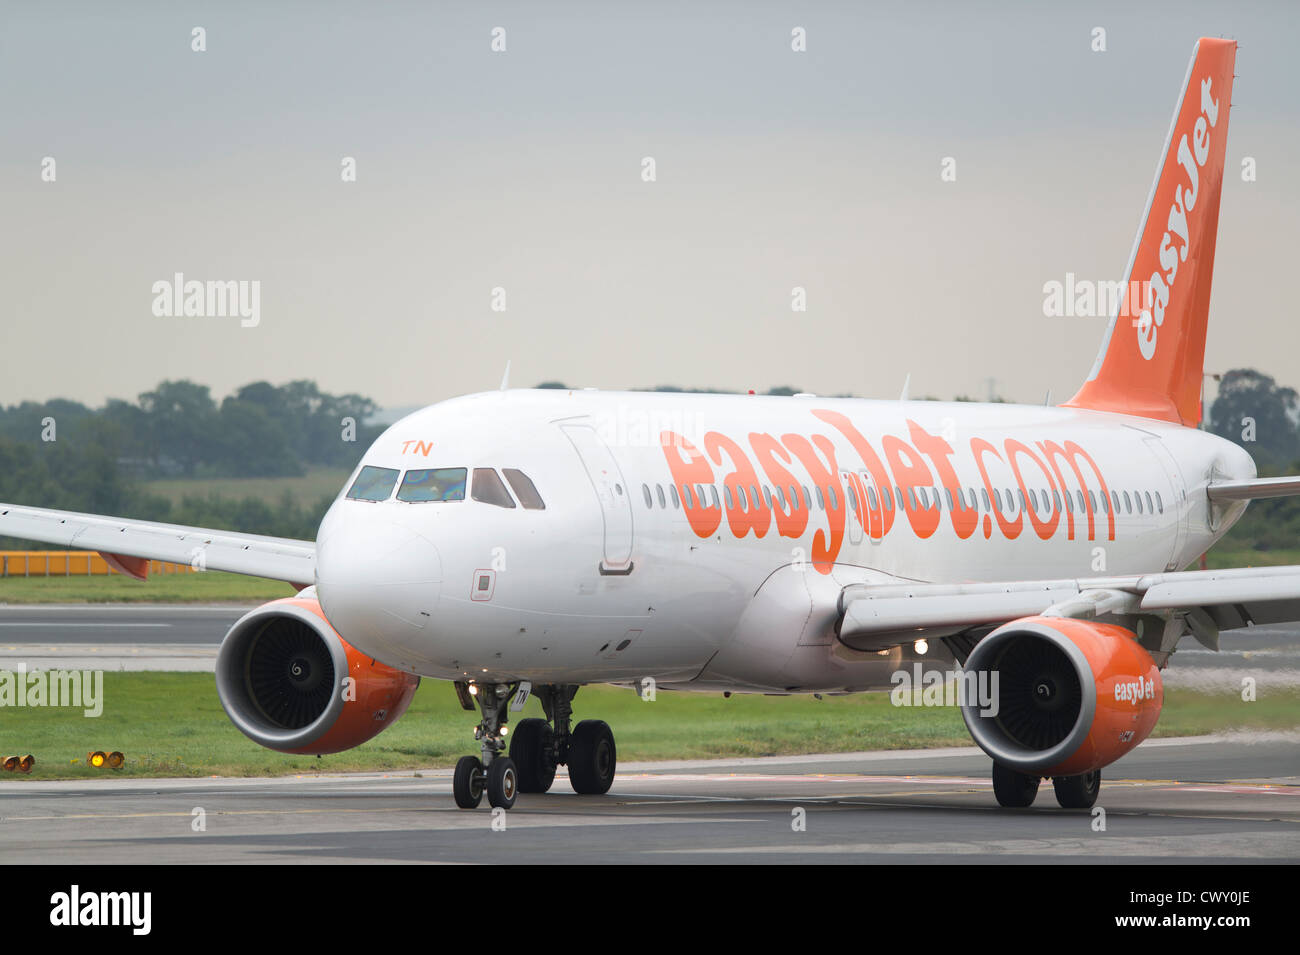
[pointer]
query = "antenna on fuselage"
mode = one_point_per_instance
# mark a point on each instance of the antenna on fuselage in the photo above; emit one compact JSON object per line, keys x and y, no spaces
{"x":505,"y":379}
{"x":907,"y":386}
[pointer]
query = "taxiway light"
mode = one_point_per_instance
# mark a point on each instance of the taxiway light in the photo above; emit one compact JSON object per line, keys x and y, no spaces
{"x":96,"y":759}
{"x":26,"y":763}
{"x":10,"y":763}
{"x":115,"y":760}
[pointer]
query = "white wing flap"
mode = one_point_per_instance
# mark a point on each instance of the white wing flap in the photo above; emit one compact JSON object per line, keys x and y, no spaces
{"x":874,"y":616}
{"x":276,"y":558}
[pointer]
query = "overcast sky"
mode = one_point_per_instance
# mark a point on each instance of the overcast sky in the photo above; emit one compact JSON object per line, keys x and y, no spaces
{"x":523,"y":170}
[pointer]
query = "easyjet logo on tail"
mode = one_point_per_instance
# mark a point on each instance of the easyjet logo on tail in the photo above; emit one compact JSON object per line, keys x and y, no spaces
{"x":1176,"y":240}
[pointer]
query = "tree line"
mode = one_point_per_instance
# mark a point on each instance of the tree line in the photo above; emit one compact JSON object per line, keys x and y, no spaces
{"x":66,"y":455}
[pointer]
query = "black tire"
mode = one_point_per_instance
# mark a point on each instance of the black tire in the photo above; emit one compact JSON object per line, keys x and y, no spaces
{"x":467,"y":783}
{"x":1014,"y":790}
{"x":1077,"y":792}
{"x":530,"y":748}
{"x":592,"y":758}
{"x":502,"y":783}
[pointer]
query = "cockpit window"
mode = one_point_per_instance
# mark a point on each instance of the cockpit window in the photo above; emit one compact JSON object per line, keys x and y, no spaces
{"x":526,"y":491}
{"x":438,"y":484}
{"x":373,"y":484}
{"x":489,"y":489}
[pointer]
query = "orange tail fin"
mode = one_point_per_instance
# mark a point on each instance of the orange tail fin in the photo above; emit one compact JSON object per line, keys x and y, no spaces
{"x":1151,"y":361}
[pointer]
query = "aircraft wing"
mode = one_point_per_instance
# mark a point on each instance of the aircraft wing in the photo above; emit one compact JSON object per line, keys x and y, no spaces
{"x":128,"y":545}
{"x":874,"y":617}
{"x":1254,"y":490}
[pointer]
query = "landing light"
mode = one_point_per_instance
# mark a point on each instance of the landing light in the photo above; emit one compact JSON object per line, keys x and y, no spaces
{"x":921,"y":647}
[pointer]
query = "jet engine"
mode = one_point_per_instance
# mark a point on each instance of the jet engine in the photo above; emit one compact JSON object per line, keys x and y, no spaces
{"x":1067,"y":696}
{"x":291,"y":683}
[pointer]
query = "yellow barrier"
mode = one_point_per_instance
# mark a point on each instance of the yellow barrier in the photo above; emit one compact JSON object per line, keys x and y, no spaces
{"x":70,"y":563}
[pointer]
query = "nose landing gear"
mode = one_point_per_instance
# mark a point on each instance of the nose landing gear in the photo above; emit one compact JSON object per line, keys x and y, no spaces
{"x":495,"y":773}
{"x":537,"y":747}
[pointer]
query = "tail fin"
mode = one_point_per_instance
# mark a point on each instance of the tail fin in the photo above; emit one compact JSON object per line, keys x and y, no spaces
{"x":1151,"y":360}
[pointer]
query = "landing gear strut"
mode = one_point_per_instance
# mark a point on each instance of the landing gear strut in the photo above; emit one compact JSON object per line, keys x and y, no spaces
{"x":537,"y":747}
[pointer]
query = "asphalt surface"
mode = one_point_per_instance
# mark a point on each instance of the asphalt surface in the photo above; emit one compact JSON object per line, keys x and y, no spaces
{"x":168,"y":637}
{"x":1206,"y":800}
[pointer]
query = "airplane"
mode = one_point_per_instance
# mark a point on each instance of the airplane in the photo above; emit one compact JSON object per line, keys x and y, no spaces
{"x":518,"y":542}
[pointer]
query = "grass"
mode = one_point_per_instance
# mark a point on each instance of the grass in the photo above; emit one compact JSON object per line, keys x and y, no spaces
{"x":171,"y":724}
{"x":1220,"y":558}
{"x":209,"y":587}
{"x":315,"y":484}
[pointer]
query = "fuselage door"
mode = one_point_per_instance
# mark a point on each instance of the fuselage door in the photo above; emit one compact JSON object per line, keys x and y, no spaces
{"x":611,"y":491}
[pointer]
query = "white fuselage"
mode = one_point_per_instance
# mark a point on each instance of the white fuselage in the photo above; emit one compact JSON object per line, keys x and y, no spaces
{"x":611,"y":582}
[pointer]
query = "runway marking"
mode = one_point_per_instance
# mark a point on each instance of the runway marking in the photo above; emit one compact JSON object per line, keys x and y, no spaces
{"x":99,"y":625}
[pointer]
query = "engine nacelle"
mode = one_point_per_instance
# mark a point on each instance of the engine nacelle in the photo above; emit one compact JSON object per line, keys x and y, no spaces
{"x":280,"y":676}
{"x":1071,"y":695}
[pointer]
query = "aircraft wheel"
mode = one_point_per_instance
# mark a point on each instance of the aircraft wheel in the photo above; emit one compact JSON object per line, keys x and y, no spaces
{"x":1077,"y":792}
{"x":1014,"y":790}
{"x":531,"y":749}
{"x":467,"y":783}
{"x":592,"y":758}
{"x":502,"y":783}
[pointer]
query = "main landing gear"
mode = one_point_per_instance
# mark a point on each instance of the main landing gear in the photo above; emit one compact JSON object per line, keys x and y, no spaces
{"x":1016,"y":790}
{"x":537,"y":747}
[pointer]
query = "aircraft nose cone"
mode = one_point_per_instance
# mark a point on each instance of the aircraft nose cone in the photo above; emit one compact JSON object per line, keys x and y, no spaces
{"x":377,"y":582}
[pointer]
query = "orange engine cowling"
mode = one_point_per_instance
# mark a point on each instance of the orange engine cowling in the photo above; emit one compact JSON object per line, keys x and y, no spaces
{"x":1067,"y":696}
{"x":281,"y":674}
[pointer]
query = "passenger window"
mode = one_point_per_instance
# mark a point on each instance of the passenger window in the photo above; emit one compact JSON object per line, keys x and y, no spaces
{"x":871,"y":498}
{"x":673,"y":490}
{"x":807,"y":501}
{"x":1114,"y":496}
{"x":948,"y":492}
{"x":997,"y":499}
{"x":821,"y":501}
{"x":688,"y":498}
{"x":645,"y":489}
{"x":713,"y":495}
{"x":832,"y":499}
{"x":1128,"y":504}
{"x":441,"y":484}
{"x":1092,"y":501}
{"x":1159,"y":503}
{"x":489,"y":490}
{"x":659,"y":493}
{"x":373,"y":484}
{"x":1150,"y":509}
{"x":780,"y":498}
{"x":726,"y":492}
{"x":853,"y":499}
{"x":526,"y":491}
{"x":887,"y":497}
{"x":911,"y":497}
{"x":767,"y":496}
